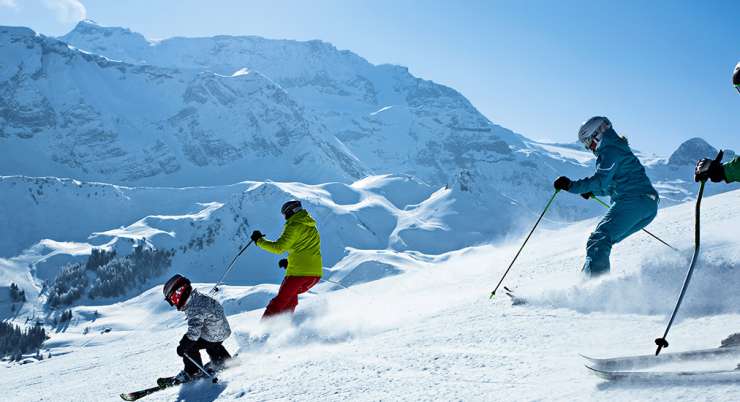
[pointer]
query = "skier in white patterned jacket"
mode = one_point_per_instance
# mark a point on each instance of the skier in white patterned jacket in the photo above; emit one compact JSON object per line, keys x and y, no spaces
{"x":207,"y":328}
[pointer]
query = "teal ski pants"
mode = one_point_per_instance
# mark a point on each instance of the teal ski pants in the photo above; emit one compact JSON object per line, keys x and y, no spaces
{"x":624,"y":218}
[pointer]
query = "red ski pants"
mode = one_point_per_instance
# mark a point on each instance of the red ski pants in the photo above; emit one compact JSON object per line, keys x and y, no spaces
{"x":287,"y":297}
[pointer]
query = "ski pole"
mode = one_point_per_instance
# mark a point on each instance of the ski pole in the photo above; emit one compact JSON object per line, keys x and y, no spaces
{"x":213,"y":378}
{"x":662,"y":342}
{"x":493,"y":293}
{"x":228,"y":268}
{"x":595,"y":198}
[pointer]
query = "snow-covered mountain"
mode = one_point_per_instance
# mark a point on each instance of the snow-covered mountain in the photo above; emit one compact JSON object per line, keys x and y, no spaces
{"x":207,"y":111}
{"x":673,"y":176}
{"x":75,"y":114}
{"x":219,"y":110}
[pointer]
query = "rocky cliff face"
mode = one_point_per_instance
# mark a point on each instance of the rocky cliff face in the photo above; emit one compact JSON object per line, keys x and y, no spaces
{"x":690,"y":151}
{"x":66,"y":112}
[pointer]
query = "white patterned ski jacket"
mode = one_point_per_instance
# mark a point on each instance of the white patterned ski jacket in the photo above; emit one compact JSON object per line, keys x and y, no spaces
{"x":206,"y":318}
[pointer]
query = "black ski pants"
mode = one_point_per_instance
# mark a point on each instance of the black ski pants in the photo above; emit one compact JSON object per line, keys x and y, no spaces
{"x":216,"y":352}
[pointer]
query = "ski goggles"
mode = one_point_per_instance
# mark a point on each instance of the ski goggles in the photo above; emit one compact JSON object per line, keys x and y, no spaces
{"x":176,"y":296}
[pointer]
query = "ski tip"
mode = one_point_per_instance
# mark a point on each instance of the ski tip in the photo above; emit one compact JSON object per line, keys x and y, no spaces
{"x":594,"y":370}
{"x":599,"y":373}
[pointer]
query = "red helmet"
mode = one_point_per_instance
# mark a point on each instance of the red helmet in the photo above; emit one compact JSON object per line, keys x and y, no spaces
{"x":177,"y":290}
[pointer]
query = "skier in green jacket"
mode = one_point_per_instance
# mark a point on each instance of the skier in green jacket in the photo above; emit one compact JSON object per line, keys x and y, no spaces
{"x":728,"y":172}
{"x":716,"y":171}
{"x":301,"y":240}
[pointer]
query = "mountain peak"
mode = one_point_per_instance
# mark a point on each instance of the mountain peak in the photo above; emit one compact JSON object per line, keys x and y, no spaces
{"x":690,"y":151}
{"x":88,"y":22}
{"x":111,"y":42}
{"x":89,"y":27}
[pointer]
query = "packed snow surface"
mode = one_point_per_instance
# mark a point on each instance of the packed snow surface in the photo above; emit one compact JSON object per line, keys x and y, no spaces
{"x":429,"y":332}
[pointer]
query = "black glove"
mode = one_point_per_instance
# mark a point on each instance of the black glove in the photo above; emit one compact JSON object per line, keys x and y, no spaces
{"x":709,"y":169}
{"x":562,"y":183}
{"x":587,"y":195}
{"x":256,"y":235}
{"x":283,"y":263}
{"x":185,"y":346}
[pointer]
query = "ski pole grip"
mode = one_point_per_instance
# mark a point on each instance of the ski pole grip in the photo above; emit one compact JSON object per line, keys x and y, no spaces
{"x":720,"y":154}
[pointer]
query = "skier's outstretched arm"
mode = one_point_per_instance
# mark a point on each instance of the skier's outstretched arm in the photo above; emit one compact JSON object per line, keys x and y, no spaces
{"x":606,"y":166}
{"x":280,"y":245}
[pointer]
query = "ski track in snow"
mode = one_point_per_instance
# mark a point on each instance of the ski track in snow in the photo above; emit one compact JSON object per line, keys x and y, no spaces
{"x":430,"y":332}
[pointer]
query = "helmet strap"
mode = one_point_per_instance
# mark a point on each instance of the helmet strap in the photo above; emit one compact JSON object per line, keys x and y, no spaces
{"x":594,"y":144}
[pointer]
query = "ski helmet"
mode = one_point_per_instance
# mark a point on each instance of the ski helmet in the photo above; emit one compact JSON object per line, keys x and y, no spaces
{"x":592,"y":129}
{"x":290,"y":208}
{"x":736,"y":77}
{"x":177,"y":290}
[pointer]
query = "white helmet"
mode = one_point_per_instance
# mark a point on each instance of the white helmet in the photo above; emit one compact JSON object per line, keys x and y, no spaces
{"x":592,"y":129}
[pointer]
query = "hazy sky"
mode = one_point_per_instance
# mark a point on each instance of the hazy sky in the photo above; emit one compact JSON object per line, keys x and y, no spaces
{"x":661,"y":70}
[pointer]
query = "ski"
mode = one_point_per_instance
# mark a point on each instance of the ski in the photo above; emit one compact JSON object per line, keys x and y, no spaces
{"x":645,"y":361}
{"x":132,"y":396}
{"x":162,"y":383}
{"x":668,"y":376}
{"x":167,"y":382}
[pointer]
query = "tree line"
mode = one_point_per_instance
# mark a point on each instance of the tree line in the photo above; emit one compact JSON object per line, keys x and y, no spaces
{"x":105,"y":274}
{"x":15,"y":342}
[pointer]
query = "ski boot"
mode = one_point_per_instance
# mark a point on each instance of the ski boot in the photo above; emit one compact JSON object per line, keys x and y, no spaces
{"x":181,"y":378}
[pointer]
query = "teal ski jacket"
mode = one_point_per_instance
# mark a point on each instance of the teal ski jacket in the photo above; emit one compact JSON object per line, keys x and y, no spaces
{"x":619,"y":174}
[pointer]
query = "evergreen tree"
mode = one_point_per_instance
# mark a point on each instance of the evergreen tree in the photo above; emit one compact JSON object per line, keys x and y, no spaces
{"x":16,"y":294}
{"x":14,"y":341}
{"x":112,"y":275}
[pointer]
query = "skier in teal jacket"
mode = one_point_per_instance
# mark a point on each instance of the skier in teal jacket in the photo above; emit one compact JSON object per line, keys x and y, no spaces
{"x":621,"y":176}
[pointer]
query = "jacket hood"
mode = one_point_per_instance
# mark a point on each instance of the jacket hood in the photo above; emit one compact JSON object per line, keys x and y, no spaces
{"x":302,"y":218}
{"x":610,"y":138}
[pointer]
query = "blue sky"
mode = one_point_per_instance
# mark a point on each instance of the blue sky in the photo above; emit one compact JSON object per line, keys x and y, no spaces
{"x":660,"y":70}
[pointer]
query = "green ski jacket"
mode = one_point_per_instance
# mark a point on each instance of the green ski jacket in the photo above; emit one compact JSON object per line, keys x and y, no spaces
{"x":732,"y":170}
{"x":301,"y":240}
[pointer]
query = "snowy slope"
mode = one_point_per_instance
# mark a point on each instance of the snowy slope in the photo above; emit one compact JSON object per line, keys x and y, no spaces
{"x":63,"y":220}
{"x":431,"y":332}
